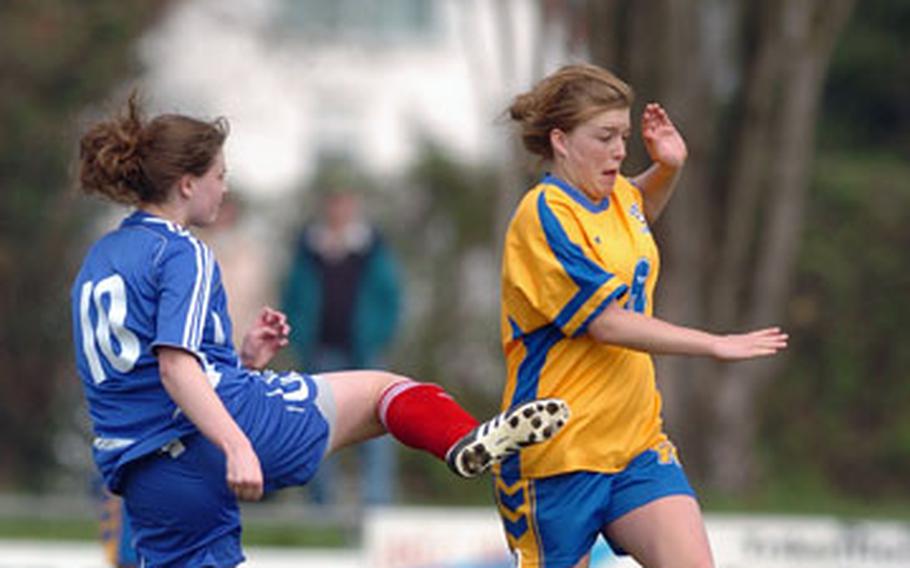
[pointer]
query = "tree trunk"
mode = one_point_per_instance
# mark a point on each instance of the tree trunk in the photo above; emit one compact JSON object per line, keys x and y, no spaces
{"x":729,"y":239}
{"x":809,"y":29}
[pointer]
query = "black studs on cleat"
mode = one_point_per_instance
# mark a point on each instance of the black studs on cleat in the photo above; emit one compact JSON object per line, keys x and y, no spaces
{"x":505,"y":434}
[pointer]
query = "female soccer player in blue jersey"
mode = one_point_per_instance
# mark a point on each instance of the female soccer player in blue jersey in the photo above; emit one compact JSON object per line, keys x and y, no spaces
{"x":579,"y":269}
{"x":184,"y":424}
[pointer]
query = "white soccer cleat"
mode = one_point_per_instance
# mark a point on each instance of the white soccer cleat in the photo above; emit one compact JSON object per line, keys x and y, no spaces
{"x":506,"y":434}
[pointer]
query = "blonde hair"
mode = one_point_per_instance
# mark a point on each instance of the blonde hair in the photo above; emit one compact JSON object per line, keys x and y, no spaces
{"x":565,"y":99}
{"x":131,"y":161}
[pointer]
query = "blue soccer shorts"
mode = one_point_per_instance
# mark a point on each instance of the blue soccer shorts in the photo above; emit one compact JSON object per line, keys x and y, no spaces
{"x":553,"y":522}
{"x":184,"y":515}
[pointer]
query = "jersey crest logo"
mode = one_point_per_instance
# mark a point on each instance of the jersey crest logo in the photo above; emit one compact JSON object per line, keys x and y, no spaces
{"x":635,"y":213}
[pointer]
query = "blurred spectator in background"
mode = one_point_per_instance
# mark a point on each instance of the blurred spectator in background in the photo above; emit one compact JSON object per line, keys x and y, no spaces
{"x":342,"y":298}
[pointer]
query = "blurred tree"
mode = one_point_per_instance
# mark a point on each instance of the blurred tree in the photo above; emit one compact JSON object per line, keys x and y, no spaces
{"x":841,"y":415}
{"x":867,"y":98}
{"x":56,"y":57}
{"x":453,"y":260}
{"x":743,"y":81}
{"x":848,"y":373}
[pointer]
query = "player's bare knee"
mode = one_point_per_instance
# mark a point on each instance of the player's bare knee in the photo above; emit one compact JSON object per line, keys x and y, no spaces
{"x":385,"y":379}
{"x":378,"y":382}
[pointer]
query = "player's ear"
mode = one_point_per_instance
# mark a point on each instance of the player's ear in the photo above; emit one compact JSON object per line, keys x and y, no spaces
{"x":186,"y":185}
{"x":558,"y":140}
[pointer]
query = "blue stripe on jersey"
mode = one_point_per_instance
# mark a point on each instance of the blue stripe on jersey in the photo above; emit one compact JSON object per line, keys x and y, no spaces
{"x":516,"y":331}
{"x":537,"y":346}
{"x":582,"y":270}
{"x":618,"y":293}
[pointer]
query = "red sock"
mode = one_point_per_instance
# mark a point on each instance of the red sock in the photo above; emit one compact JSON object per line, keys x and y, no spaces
{"x":424,"y":416}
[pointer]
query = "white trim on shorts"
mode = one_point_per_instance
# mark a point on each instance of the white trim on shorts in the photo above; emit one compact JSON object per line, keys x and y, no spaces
{"x":325,"y":402}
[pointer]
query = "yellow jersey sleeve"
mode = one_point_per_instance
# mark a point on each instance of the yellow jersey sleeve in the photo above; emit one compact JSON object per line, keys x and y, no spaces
{"x":549,"y":276}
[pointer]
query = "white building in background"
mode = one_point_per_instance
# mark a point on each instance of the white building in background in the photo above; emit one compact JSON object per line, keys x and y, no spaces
{"x":368,"y":78}
{"x":372,"y":79}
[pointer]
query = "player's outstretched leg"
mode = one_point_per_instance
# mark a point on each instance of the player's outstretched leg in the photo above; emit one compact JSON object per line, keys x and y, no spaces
{"x":505,"y":434}
{"x":425,"y":417}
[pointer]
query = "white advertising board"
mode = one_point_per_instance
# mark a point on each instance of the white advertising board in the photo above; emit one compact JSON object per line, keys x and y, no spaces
{"x":473,"y":538}
{"x":468,"y":538}
{"x":807,"y":542}
{"x":446,"y":538}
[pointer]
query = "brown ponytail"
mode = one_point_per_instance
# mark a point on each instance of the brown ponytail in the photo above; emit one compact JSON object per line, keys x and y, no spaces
{"x":131,"y":161}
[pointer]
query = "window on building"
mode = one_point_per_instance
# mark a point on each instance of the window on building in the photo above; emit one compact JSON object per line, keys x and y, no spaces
{"x":361,"y":20}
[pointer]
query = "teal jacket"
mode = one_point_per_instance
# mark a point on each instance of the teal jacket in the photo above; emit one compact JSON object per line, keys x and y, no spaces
{"x":376,"y":311}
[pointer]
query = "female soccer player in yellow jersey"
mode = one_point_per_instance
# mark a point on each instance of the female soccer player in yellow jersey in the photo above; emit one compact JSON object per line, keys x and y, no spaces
{"x":579,"y":269}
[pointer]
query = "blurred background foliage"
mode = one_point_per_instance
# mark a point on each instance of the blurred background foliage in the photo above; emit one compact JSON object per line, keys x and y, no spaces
{"x":836,"y":422}
{"x":868,"y":87}
{"x":838,"y":417}
{"x":57,"y":57}
{"x":839,"y":412}
{"x":834,"y":426}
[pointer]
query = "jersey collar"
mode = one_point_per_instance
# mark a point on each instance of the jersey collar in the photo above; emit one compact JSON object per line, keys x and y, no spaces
{"x":576,"y":194}
{"x":140,"y":217}
{"x":136,"y":217}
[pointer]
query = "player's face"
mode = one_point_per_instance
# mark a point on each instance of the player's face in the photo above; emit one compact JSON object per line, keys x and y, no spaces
{"x":590,"y":155}
{"x":209,"y":190}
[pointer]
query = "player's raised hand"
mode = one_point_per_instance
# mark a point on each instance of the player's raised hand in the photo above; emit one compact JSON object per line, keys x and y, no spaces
{"x":267,"y":337}
{"x":760,"y":343}
{"x":665,"y":145}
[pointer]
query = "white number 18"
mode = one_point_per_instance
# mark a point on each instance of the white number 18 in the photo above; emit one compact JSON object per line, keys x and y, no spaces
{"x":110,"y":322}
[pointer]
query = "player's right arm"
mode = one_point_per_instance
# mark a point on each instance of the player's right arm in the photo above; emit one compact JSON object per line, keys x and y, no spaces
{"x":668,"y":152}
{"x":184,"y":278}
{"x":626,"y":328}
{"x":188,"y":386}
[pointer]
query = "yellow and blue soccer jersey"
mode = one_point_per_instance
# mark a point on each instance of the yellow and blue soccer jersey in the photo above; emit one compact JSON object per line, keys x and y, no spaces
{"x":565,"y":260}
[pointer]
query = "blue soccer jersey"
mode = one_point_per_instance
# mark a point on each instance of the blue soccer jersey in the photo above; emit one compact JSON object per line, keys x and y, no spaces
{"x":148,"y":283}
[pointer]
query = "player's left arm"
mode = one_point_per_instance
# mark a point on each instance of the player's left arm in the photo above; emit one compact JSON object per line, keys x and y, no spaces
{"x":668,"y":152}
{"x":626,"y":328}
{"x":268,"y":336}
